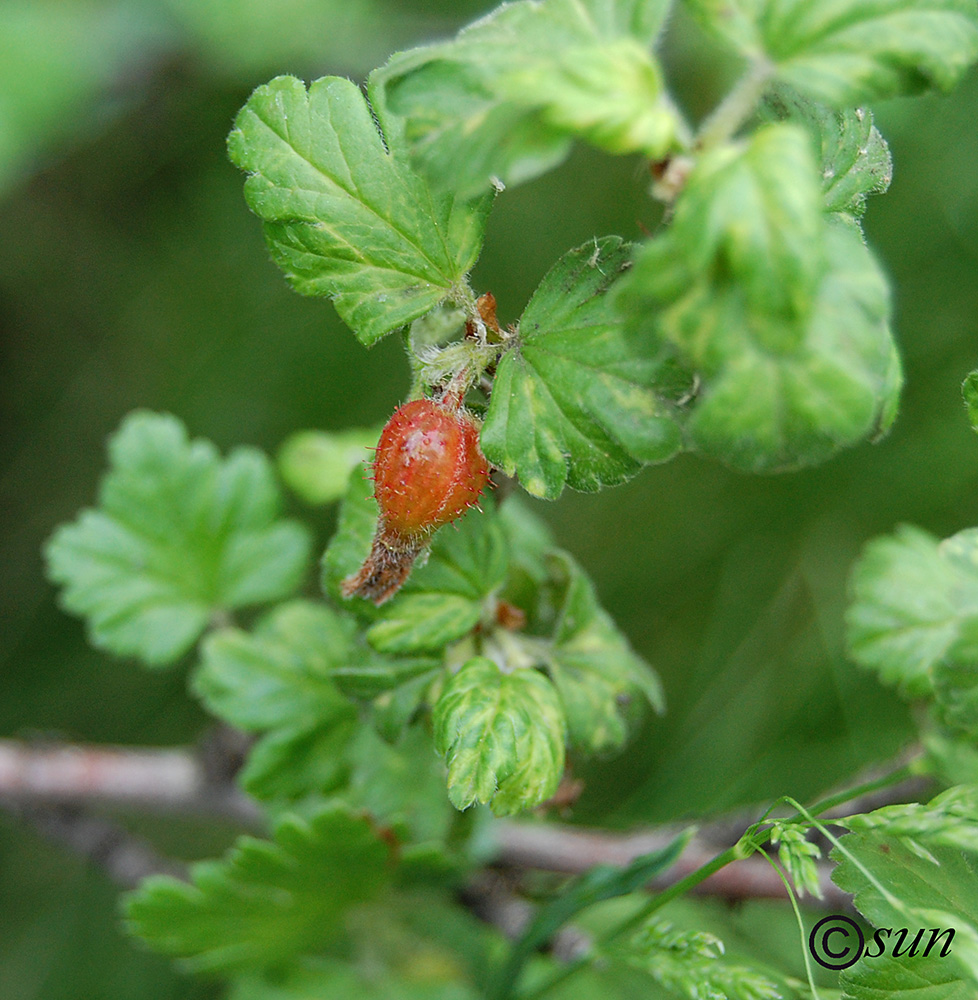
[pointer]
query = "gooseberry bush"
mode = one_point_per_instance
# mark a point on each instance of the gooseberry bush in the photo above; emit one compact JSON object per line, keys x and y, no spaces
{"x":453,"y":657}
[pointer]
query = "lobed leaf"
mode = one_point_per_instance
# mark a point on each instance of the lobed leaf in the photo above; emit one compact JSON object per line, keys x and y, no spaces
{"x":179,"y":536}
{"x":413,"y":945}
{"x":913,"y":604}
{"x":504,"y":99}
{"x":280,"y":679}
{"x":574,"y":399}
{"x":372,"y":675}
{"x":842,"y":52}
{"x":281,"y":674}
{"x":443,"y":598}
{"x":593,"y":668}
{"x":949,"y":820}
{"x":299,"y":762}
{"x":750,"y":216}
{"x":401,"y":783}
{"x":502,"y":735}
{"x":782,"y":315}
{"x":916,"y":882}
{"x":855,"y":159}
{"x":355,"y":527}
{"x":956,"y":694}
{"x":267,"y":901}
{"x":343,"y":217}
{"x":920,"y":978}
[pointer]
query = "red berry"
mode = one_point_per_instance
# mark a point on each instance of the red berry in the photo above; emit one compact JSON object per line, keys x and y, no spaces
{"x":428,"y":470}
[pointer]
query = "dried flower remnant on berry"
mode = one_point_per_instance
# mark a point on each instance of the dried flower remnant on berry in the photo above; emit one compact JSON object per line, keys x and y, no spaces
{"x":428,"y":470}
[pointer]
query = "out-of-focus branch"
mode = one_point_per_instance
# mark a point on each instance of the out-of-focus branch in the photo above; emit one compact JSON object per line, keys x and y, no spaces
{"x":575,"y":850}
{"x":167,"y":781}
{"x":34,"y":777}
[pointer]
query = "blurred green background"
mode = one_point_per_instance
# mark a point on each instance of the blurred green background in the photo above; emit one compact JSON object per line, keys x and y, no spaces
{"x":132,"y":275}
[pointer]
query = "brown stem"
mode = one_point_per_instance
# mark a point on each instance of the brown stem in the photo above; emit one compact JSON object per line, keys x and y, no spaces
{"x":42,"y":776}
{"x":385,"y":569}
{"x":164,"y":781}
{"x":574,"y":850}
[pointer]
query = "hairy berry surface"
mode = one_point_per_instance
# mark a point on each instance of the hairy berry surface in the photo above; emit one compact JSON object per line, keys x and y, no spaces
{"x":428,"y":468}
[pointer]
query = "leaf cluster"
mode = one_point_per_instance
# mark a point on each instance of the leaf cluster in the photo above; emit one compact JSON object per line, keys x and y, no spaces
{"x":752,"y":326}
{"x":497,"y":644}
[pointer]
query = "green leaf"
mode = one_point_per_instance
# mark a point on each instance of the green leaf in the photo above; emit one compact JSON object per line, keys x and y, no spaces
{"x":317,"y":464}
{"x":914,"y":601}
{"x":179,"y":536}
{"x":430,"y":974}
{"x":907,"y":875}
{"x":402,"y":784}
{"x":394,"y":709}
{"x":282,"y":674}
{"x":782,"y":315}
{"x":444,"y":599}
{"x":969,"y":392}
{"x":919,"y":978}
{"x":355,"y":527}
{"x":692,"y":964}
{"x":855,"y":159}
{"x":416,"y":945}
{"x":598,"y":884}
{"x":529,"y":541}
{"x":296,"y":762}
{"x":342,"y":216}
{"x":949,"y":820}
{"x":504,"y":99}
{"x":267,"y":901}
{"x":956,"y":692}
{"x":846,"y":52}
{"x":424,"y":622}
{"x":593,"y":668}
{"x":281,"y":679}
{"x":573,"y":400}
{"x":750,"y":217}
{"x":502,"y":736}
{"x":842,"y":52}
{"x":375,"y":675}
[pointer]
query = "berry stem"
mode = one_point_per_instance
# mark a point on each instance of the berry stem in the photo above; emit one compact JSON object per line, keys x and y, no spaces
{"x":385,"y":570}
